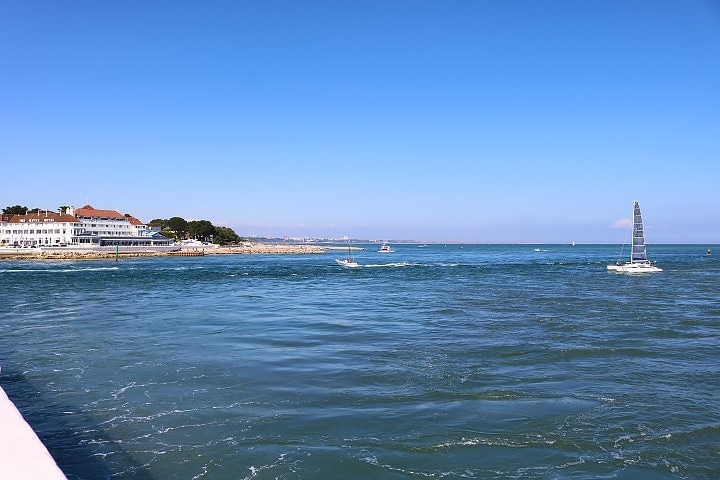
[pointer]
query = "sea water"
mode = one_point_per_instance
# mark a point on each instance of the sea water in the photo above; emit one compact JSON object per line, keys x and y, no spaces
{"x":447,"y":361}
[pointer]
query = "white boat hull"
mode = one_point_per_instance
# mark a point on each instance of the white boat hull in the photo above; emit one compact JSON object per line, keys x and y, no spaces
{"x":634,"y":268}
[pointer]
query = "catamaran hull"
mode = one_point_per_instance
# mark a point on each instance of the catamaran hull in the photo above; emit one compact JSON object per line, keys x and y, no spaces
{"x":634,"y":268}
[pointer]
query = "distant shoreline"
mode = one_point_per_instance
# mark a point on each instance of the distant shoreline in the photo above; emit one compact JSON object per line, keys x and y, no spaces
{"x":69,"y":253}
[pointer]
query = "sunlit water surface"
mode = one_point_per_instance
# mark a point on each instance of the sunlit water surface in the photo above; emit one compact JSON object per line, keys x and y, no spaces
{"x":446,"y":361}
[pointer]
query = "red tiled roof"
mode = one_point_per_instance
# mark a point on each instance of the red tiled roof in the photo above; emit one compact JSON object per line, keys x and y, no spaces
{"x":35,"y":218}
{"x":89,"y":211}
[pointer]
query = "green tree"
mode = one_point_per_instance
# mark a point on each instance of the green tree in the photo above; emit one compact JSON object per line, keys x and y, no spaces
{"x":16,"y":210}
{"x":159,"y":222}
{"x":201,"y":229}
{"x":179,"y":226}
{"x":225,"y":235}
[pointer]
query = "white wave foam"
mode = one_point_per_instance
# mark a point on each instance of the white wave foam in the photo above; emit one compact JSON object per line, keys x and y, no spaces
{"x":394,"y":264}
{"x":58,"y":270}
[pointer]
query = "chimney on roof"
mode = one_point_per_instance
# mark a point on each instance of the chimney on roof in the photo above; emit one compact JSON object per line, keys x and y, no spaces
{"x":70,"y":210}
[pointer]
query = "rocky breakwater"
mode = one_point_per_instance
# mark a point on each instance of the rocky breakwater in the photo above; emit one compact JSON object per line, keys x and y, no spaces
{"x":267,"y":248}
{"x":76,"y":254}
{"x":73,"y":255}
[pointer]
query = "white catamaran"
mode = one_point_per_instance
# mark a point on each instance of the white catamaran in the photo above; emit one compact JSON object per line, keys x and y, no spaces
{"x":638,"y":253}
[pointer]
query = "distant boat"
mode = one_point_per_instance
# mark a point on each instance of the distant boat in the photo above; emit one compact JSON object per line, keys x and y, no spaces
{"x":709,"y":252}
{"x":384,"y":248}
{"x":639,"y":262}
{"x":573,"y":244}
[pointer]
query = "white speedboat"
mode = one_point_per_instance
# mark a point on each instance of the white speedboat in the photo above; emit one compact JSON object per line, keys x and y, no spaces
{"x":384,"y":248}
{"x":347,"y":262}
{"x":639,"y":262}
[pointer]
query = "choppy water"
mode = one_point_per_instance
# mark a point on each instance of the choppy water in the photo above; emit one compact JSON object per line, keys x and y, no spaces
{"x":442,"y":362}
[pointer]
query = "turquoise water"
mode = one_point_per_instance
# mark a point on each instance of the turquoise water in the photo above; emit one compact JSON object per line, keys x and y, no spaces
{"x":451,"y":361}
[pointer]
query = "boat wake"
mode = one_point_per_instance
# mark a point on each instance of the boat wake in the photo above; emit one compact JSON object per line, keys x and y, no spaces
{"x":393,"y":264}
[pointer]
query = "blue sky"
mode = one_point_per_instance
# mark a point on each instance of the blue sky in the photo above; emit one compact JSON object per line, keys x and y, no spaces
{"x":474,"y":121}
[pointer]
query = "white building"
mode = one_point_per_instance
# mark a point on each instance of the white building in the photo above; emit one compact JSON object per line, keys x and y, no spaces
{"x":84,"y":227}
{"x":39,"y":229}
{"x":108,"y":223}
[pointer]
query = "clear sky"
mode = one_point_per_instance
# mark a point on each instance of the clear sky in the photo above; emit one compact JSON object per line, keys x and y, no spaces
{"x":473,"y":121}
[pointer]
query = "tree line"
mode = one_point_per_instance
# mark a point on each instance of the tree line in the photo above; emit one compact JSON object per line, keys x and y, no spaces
{"x":18,"y":210}
{"x":175,"y":227}
{"x":203,"y":230}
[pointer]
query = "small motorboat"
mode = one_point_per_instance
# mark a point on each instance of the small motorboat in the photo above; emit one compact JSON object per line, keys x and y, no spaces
{"x":384,"y":248}
{"x":347,"y":262}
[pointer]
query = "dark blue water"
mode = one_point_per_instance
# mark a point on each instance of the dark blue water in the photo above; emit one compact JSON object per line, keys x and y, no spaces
{"x":441,"y":362}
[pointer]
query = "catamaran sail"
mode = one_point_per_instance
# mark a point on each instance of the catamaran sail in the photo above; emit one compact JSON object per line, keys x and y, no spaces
{"x":639,"y":250}
{"x":639,"y":262}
